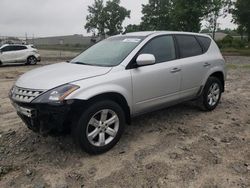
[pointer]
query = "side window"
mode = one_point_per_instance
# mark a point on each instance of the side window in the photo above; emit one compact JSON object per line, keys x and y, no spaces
{"x":163,"y":48}
{"x":188,"y":46}
{"x":13,"y":48}
{"x":6,"y":49}
{"x":21,"y":47}
{"x":205,"y":42}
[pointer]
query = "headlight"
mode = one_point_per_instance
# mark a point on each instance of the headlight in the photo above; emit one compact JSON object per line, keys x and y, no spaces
{"x":56,"y":95}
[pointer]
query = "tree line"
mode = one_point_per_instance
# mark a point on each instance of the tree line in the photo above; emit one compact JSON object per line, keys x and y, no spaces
{"x":179,"y":15}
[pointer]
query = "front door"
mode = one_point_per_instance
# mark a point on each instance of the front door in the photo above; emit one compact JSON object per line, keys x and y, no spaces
{"x":8,"y":54}
{"x":157,"y":84}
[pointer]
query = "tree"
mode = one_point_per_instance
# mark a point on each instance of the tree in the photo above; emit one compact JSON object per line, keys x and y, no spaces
{"x":108,"y":19}
{"x":218,"y":9}
{"x":132,"y":28}
{"x":181,"y":15}
{"x":157,"y":15}
{"x":241,"y":15}
{"x":115,"y":15}
{"x":189,"y":14}
{"x":96,"y":18}
{"x":241,"y":30}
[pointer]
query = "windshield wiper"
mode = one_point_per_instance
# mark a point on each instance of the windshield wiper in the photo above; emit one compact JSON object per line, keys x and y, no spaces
{"x":80,"y":63}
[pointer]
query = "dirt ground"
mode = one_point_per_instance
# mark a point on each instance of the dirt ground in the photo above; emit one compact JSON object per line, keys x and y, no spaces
{"x":175,"y":147}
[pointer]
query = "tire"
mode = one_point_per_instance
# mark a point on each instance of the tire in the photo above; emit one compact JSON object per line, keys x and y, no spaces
{"x":31,"y":60}
{"x":211,"y":94}
{"x":89,"y":133}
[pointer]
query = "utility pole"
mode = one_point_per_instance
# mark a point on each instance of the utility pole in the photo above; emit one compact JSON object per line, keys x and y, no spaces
{"x":26,"y":38}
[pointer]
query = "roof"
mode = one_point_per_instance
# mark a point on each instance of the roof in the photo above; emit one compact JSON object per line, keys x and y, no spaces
{"x":27,"y":45}
{"x":147,"y":33}
{"x":4,"y":45}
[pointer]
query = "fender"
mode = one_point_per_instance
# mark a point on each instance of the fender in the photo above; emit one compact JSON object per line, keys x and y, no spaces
{"x":118,"y":82}
{"x":212,"y":71}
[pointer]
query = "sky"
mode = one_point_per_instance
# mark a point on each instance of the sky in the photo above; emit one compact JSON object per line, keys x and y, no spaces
{"x":59,"y":17}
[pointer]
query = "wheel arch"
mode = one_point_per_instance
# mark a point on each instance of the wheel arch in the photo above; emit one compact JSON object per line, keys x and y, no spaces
{"x":220,"y":76}
{"x":30,"y":56}
{"x":217,"y":74}
{"x":116,"y":97}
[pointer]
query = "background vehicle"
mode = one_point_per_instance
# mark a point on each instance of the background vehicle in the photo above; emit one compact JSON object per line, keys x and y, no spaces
{"x":99,"y":91}
{"x":11,"y":53}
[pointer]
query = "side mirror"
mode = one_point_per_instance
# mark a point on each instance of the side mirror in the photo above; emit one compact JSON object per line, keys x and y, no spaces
{"x":145,"y":59}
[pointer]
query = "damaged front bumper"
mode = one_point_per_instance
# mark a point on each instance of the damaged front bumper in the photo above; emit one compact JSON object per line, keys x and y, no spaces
{"x":47,"y":118}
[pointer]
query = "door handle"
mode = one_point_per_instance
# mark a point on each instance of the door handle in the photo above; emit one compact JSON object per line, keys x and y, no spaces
{"x":206,"y":64}
{"x":174,"y":70}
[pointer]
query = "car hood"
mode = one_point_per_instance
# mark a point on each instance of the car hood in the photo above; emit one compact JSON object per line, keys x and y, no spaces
{"x":51,"y":76}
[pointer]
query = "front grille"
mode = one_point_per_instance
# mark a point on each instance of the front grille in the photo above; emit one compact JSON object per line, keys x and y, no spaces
{"x":25,"y":95}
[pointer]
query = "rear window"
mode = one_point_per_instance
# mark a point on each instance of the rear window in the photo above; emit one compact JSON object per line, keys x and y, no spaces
{"x":188,"y":46}
{"x":21,"y":47}
{"x":205,"y":42}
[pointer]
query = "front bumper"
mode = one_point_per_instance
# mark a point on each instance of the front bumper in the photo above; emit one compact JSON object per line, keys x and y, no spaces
{"x":38,"y":57}
{"x":47,"y":118}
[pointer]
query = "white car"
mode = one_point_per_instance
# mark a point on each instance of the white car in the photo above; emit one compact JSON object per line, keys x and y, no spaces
{"x":15,"y":53}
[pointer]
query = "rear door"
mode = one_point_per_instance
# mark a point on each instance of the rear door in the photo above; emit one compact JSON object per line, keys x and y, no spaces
{"x":155,"y":85}
{"x":21,"y":53}
{"x":193,"y":64}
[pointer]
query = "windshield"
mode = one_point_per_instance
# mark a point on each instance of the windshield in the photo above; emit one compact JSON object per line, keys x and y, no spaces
{"x":109,"y":52}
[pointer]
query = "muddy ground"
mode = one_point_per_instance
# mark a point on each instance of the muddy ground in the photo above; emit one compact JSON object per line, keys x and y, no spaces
{"x":175,"y":147}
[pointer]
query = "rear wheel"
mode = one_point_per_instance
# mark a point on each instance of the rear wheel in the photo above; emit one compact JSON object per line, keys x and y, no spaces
{"x":211,"y":94}
{"x":31,"y":60}
{"x":100,"y":127}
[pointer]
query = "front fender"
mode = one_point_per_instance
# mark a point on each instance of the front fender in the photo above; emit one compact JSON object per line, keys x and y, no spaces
{"x":118,"y":82}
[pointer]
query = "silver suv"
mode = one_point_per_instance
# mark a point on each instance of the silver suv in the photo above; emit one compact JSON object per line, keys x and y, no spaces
{"x":99,"y":91}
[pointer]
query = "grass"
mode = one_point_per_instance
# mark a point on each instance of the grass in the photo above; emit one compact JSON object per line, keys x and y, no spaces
{"x":234,"y":51}
{"x":235,"y":66}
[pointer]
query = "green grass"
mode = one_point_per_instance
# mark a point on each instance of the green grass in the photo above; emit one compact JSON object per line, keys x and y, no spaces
{"x":71,"y":48}
{"x":234,"y":51}
{"x":235,"y":66}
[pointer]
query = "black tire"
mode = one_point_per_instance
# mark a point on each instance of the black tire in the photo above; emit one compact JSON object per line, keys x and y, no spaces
{"x":31,"y":60}
{"x":79,"y":132}
{"x":204,"y":98}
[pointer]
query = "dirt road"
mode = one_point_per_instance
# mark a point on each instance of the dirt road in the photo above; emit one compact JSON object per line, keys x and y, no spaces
{"x":176,"y":147}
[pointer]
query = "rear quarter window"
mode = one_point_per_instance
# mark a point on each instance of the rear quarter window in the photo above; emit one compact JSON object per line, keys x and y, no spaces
{"x":188,"y":46}
{"x":205,"y":42}
{"x":21,"y":47}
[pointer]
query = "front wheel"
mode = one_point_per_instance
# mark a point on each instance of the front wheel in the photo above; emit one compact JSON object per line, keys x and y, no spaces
{"x":31,"y":60}
{"x":211,"y":94}
{"x":100,"y":127}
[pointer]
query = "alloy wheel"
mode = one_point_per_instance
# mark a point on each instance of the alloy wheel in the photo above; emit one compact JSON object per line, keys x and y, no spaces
{"x":102,"y":127}
{"x":213,"y":94}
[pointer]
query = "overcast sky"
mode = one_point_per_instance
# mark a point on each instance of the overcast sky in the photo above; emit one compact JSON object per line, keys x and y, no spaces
{"x":58,"y":17}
